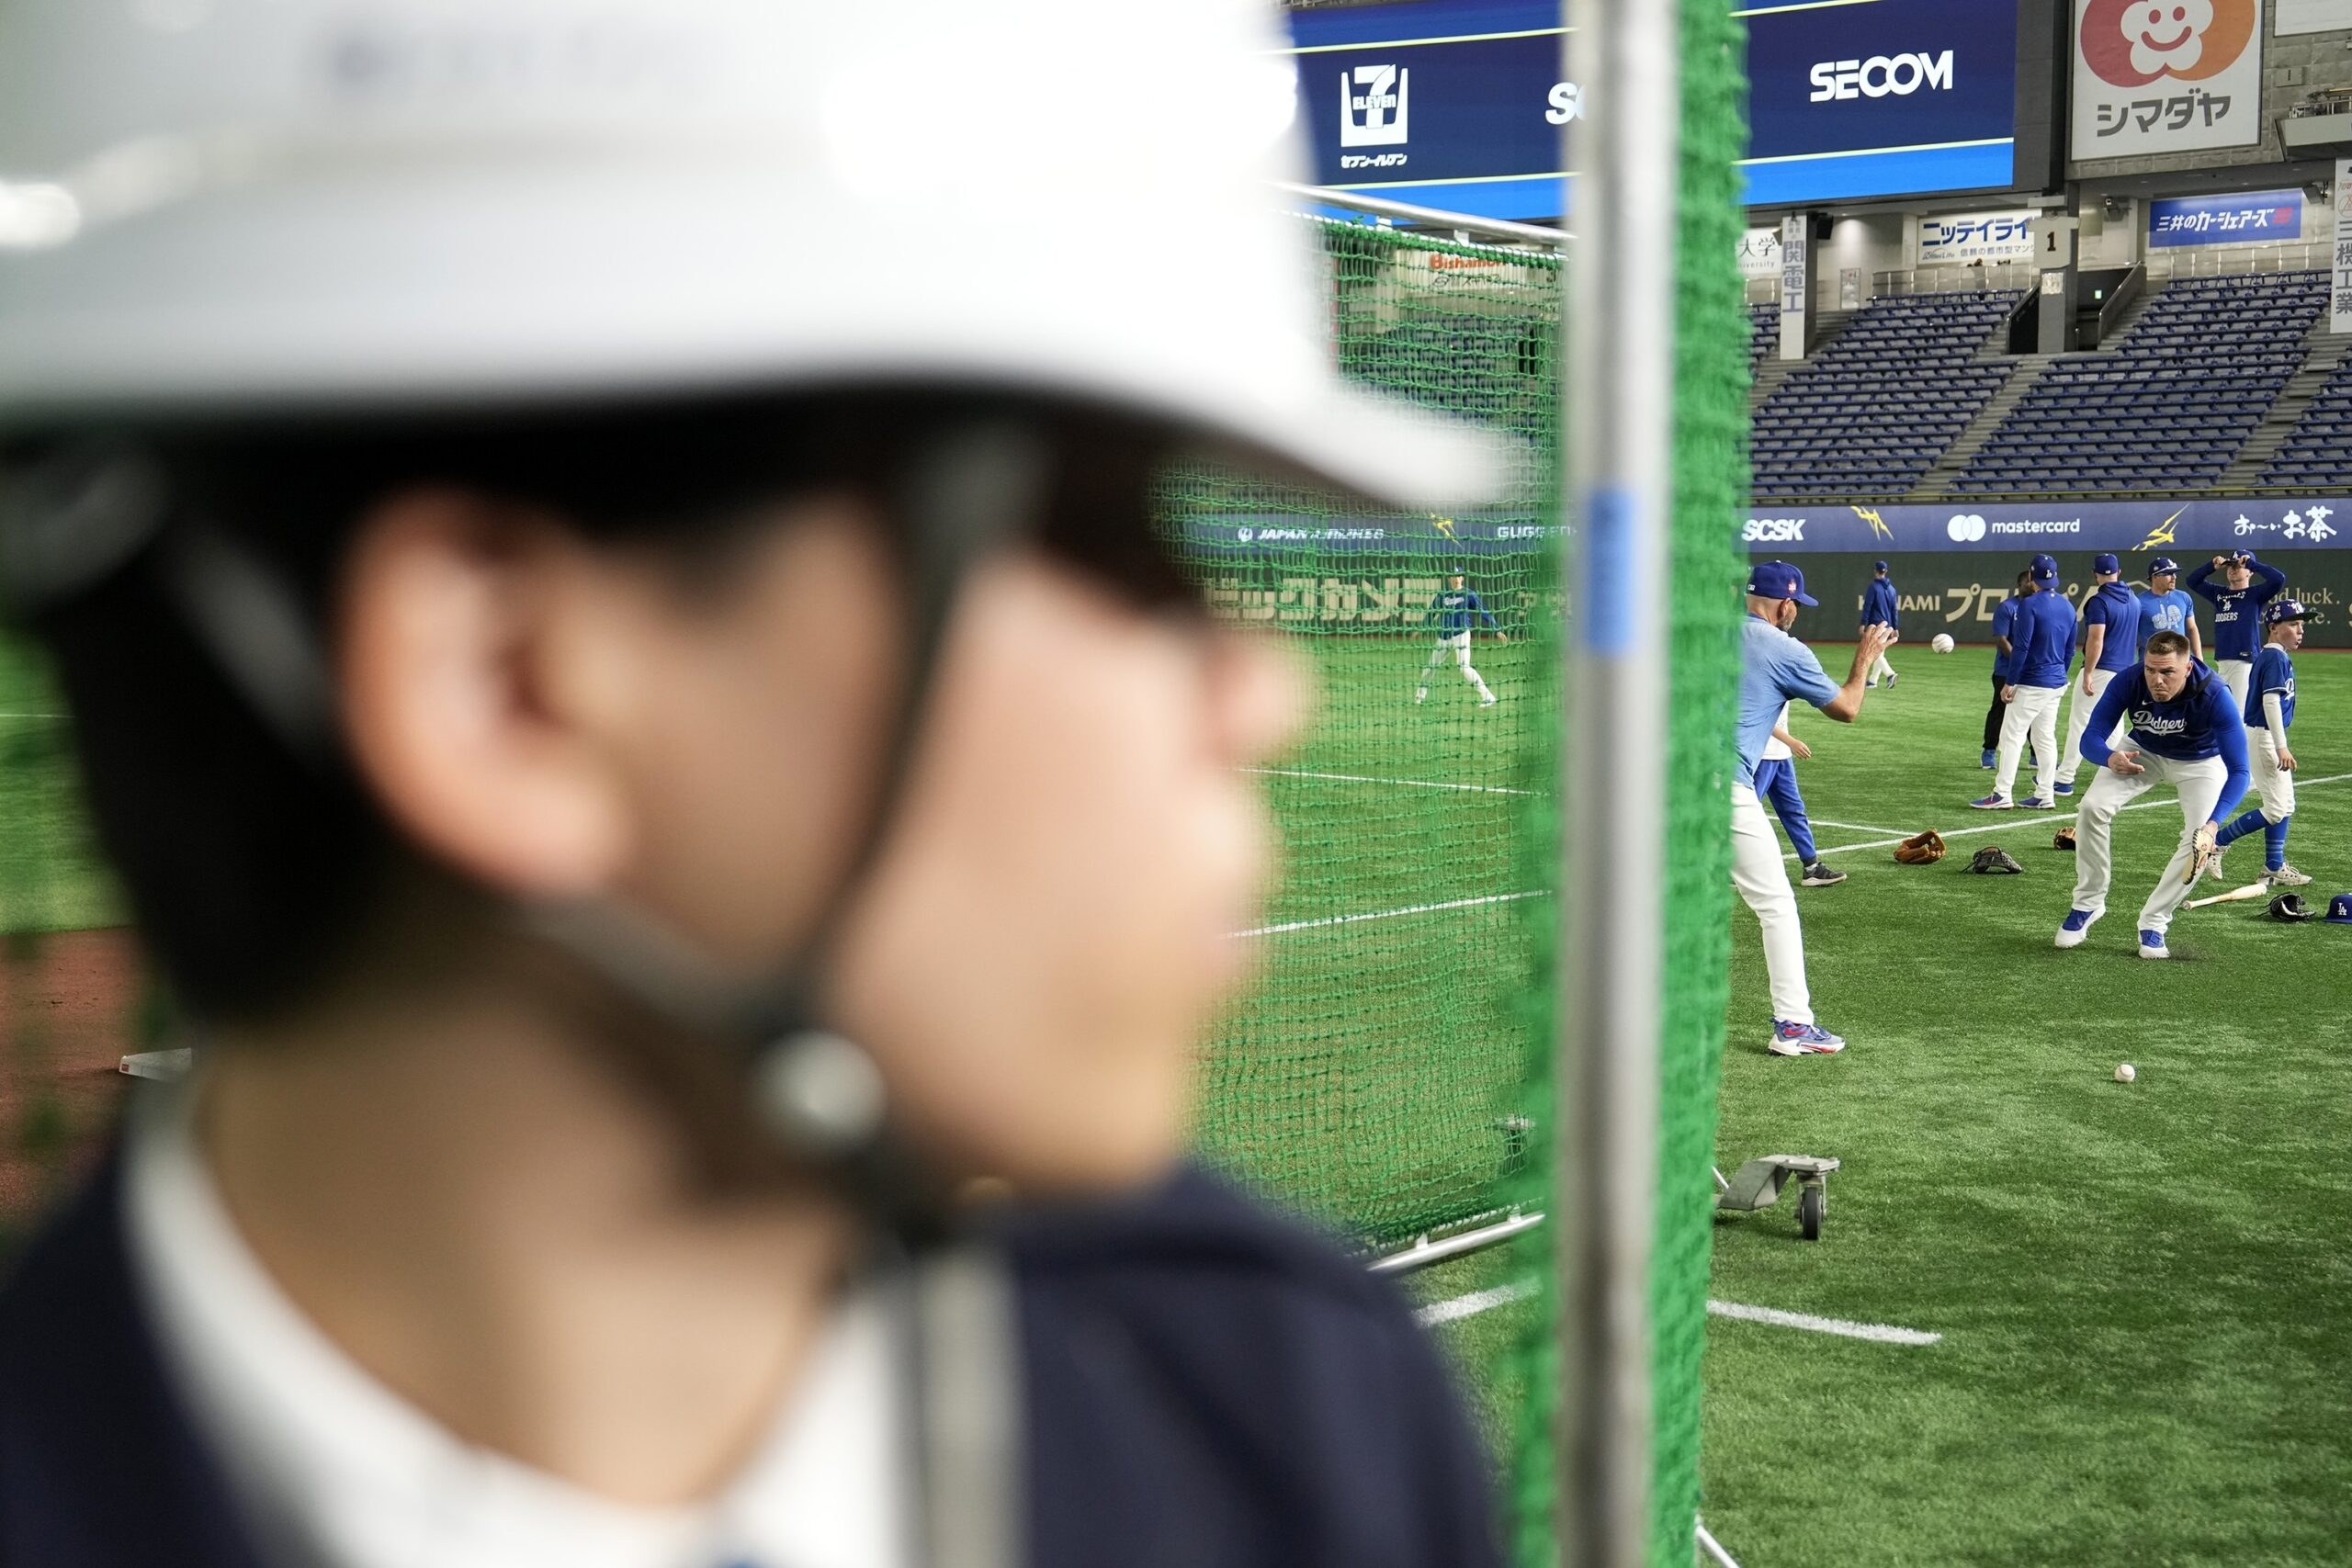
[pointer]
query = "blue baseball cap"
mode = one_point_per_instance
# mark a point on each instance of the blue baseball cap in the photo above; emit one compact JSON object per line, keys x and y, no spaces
{"x":2164,"y":564}
{"x":1878,"y":566}
{"x":2279,"y":610}
{"x":2105,"y":562}
{"x":2339,"y":910}
{"x":2045,"y":568}
{"x":1779,"y":579}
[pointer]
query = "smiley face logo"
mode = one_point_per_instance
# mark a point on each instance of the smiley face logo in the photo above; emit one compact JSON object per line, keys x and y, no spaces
{"x":2131,"y":43}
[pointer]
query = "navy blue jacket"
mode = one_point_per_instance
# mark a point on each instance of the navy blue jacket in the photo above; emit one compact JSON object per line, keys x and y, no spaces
{"x":1879,"y":603}
{"x":1206,"y":1384}
{"x":2042,"y":641}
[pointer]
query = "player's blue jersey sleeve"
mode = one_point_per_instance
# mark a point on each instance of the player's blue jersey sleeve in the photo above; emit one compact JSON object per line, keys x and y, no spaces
{"x":2105,"y":717}
{"x":1479,"y":605}
{"x":2272,"y":673}
{"x":2272,"y":580}
{"x":2200,"y":582}
{"x":2005,"y":616}
{"x":2229,"y":734}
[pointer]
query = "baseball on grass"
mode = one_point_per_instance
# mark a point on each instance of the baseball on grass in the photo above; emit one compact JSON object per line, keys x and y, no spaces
{"x":1942,"y":643}
{"x":2125,"y":1071}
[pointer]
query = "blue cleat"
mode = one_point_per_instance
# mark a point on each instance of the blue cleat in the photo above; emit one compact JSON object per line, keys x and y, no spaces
{"x":1803,"y":1040}
{"x":2152,"y":945}
{"x":2077,"y":926}
{"x":1991,"y":803}
{"x":1987,"y":760}
{"x":2066,"y":789}
{"x":2033,"y":803}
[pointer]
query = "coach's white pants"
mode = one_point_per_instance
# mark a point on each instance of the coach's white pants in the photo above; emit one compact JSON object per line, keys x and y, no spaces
{"x":2033,"y":711}
{"x":2273,"y":785}
{"x":2199,"y":783}
{"x":2237,"y":674}
{"x":2078,"y":718}
{"x":1459,"y":645}
{"x":1762,"y":879}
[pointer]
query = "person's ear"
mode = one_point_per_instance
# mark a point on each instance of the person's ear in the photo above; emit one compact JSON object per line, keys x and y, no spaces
{"x":463,"y":698}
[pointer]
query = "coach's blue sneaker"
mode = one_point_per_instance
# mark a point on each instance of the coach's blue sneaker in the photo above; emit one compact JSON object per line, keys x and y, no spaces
{"x":2033,"y":803}
{"x":2066,"y":789}
{"x":2077,"y":926}
{"x":1992,"y":803}
{"x":1891,"y":680}
{"x":1988,"y":759}
{"x":1803,"y":1040}
{"x":2152,"y":945}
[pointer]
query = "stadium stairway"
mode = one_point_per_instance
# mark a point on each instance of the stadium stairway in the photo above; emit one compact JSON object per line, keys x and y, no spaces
{"x":2324,"y":352}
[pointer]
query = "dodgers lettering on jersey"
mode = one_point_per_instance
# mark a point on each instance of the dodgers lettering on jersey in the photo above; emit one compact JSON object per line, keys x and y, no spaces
{"x":2273,"y":672}
{"x":2041,"y":642}
{"x":1879,"y":603}
{"x":1775,"y":669}
{"x":2237,"y":612}
{"x":2163,"y":613}
{"x":2202,"y":721}
{"x":2114,"y":607}
{"x":1454,"y":609}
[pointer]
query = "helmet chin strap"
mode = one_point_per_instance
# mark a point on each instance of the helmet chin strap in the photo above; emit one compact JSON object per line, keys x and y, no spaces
{"x":96,"y":509}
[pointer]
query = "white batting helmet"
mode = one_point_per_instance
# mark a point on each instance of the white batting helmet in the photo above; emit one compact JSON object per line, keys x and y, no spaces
{"x":251,"y":206}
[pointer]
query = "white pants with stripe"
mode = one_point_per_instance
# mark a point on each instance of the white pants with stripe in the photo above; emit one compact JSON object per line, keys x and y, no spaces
{"x":2078,"y":719}
{"x":1762,"y":879}
{"x":1458,"y":644}
{"x":2033,"y":712}
{"x":2273,"y":785}
{"x":1880,"y":670}
{"x":2199,"y":783}
{"x":2237,"y":674}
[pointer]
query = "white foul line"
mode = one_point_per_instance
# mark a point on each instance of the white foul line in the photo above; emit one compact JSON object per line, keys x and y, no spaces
{"x":1403,"y":783}
{"x":1877,"y":1333}
{"x":1856,"y":827}
{"x":1392,"y":914}
{"x":2019,"y":822}
{"x":1473,"y":1304}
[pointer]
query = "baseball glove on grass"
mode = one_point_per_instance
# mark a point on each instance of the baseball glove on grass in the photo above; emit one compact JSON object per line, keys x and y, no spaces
{"x":2065,"y":840}
{"x":1994,"y":860}
{"x":1921,"y":849}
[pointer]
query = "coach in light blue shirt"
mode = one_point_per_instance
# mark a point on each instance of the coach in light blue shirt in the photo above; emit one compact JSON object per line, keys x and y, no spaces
{"x":2165,"y":606}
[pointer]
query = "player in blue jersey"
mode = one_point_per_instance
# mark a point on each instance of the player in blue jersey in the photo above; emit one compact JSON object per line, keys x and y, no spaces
{"x":1880,"y":608}
{"x":2033,"y":681}
{"x":2185,"y":731}
{"x":2246,"y":585}
{"x":1454,"y":609}
{"x":2004,"y":614}
{"x":2110,"y":633}
{"x":1775,"y":669}
{"x":2165,"y":606}
{"x":2269,"y":710}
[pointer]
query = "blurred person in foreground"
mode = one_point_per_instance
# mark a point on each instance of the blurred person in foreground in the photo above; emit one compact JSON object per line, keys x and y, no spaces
{"x":642,"y":709}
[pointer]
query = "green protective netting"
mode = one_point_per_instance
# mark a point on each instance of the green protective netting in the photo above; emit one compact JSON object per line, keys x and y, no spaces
{"x":1390,"y":1070}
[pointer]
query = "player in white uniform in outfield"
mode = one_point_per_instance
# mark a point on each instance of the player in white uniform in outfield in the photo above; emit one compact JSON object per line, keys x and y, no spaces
{"x":1774,"y":668}
{"x":1454,"y":609}
{"x":2269,"y":709}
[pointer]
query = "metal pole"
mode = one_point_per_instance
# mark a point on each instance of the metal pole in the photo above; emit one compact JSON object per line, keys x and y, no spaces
{"x":1620,"y":403}
{"x":1434,"y":217}
{"x":1424,"y":1253}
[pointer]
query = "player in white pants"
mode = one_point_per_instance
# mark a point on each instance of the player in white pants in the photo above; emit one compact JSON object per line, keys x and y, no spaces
{"x":1774,"y":668}
{"x":2041,"y":647}
{"x":1454,"y":609}
{"x":2269,"y":711}
{"x":2186,"y":732}
{"x":2110,"y":639}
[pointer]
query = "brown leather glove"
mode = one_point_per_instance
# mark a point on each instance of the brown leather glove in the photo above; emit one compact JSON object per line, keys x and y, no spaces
{"x":1921,"y":849}
{"x":2065,"y":840}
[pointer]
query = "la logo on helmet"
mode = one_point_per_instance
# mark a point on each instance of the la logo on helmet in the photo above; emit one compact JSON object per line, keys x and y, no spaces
{"x":2131,"y":43}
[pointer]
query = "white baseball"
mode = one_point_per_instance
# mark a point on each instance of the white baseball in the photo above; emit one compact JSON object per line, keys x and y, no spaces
{"x":2125,"y":1071}
{"x":1942,"y":643}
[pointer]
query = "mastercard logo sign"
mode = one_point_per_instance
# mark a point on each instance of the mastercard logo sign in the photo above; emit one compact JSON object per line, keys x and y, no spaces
{"x":2131,"y":43}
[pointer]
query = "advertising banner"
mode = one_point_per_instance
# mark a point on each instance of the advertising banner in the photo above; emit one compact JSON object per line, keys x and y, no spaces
{"x":1759,"y":253}
{"x":1463,"y":105}
{"x":2182,"y":529}
{"x":1960,"y":238}
{"x":2246,"y":217}
{"x":2313,"y":16}
{"x":2166,"y":78}
{"x":2340,"y":268}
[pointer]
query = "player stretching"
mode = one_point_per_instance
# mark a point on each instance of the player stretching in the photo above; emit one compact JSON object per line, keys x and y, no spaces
{"x":2184,"y":732}
{"x":1454,"y":610}
{"x":1774,"y":668}
{"x":1776,"y":780}
{"x":2237,"y":612}
{"x":2165,"y":606}
{"x":2110,"y":645}
{"x":1879,"y":609}
{"x":2042,"y":645}
{"x":2269,"y":709}
{"x":2004,"y":614}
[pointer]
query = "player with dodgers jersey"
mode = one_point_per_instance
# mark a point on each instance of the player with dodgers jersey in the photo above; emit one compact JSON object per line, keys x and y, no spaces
{"x":2237,"y":612}
{"x":1454,"y":609}
{"x":2041,"y":647}
{"x":2184,"y":732}
{"x":1775,"y":669}
{"x":1880,"y":608}
{"x":2165,"y":606}
{"x":2269,"y":709}
{"x":2111,"y":618}
{"x":2005,"y":616}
